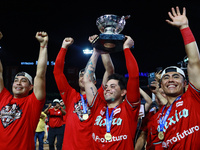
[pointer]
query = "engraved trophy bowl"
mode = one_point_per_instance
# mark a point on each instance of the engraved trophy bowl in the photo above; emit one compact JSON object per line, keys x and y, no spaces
{"x":110,"y":26}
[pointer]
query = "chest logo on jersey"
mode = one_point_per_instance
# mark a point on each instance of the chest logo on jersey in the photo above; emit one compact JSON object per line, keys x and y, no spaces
{"x":9,"y":114}
{"x":174,"y":119}
{"x":179,"y":104}
{"x":78,"y":109}
{"x":102,"y":122}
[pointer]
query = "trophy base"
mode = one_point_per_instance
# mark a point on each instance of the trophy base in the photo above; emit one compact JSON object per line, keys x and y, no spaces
{"x":109,"y":42}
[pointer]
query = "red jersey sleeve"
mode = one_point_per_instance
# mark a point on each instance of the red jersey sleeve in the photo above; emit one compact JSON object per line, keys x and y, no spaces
{"x":194,"y":91}
{"x":133,"y":93}
{"x":61,"y":81}
{"x":145,"y":121}
{"x":4,"y":96}
{"x":35,"y":108}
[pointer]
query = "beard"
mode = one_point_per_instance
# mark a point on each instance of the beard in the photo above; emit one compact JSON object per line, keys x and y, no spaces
{"x":110,"y":100}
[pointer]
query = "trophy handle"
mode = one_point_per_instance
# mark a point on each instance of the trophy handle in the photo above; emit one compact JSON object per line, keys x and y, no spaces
{"x":127,"y":17}
{"x":94,"y":41}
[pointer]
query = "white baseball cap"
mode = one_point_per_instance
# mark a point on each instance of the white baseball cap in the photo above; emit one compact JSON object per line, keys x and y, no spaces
{"x":56,"y":101}
{"x":173,"y":69}
{"x":25,"y":74}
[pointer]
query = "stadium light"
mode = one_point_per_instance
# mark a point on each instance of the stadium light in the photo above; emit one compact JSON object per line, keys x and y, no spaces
{"x":87,"y":51}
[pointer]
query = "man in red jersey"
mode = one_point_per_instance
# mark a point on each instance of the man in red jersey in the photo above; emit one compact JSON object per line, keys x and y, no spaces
{"x":78,"y":125}
{"x":20,"y":112}
{"x":56,"y":128}
{"x":115,"y":118}
{"x":143,"y":139}
{"x":176,"y":125}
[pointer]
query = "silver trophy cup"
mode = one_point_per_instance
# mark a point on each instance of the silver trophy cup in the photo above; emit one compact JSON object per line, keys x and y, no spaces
{"x":110,"y":26}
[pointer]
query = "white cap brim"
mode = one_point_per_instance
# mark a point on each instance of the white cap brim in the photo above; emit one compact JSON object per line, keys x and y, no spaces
{"x":173,"y":69}
{"x":56,"y":101}
{"x":25,"y":74}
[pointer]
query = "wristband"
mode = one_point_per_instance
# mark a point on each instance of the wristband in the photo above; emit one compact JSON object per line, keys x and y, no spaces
{"x":187,"y":35}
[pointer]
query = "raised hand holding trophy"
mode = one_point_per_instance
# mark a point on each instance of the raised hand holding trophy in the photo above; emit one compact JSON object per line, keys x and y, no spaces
{"x":110,"y":26}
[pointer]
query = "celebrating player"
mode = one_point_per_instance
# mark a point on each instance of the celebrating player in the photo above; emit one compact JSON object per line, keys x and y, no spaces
{"x":115,"y":118}
{"x":78,"y":132}
{"x":20,"y":112}
{"x":176,"y":125}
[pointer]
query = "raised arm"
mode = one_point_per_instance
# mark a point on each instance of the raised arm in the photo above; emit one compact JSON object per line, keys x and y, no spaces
{"x":180,"y":20}
{"x":147,"y":98}
{"x":109,"y":67}
{"x":40,"y":78}
{"x":60,"y":78}
{"x":1,"y":70}
{"x":90,"y":87}
{"x":46,"y":111}
{"x":107,"y":62}
{"x":156,"y":91}
{"x":133,"y":93}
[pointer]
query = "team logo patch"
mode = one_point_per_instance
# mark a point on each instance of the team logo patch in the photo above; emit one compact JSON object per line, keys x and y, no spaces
{"x":9,"y":114}
{"x":179,"y":104}
{"x":102,"y":112}
{"x":78,"y":109}
{"x":116,"y":111}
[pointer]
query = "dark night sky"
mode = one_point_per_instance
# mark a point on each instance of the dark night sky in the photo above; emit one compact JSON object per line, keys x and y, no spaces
{"x":156,"y":42}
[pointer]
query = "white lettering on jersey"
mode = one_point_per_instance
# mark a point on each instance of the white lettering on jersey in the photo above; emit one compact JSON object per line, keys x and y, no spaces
{"x":174,"y":119}
{"x":102,"y":122}
{"x":178,"y":136}
{"x":96,"y":138}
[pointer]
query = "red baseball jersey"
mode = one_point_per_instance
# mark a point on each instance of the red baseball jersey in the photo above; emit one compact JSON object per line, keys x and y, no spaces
{"x":125,"y":116}
{"x":78,"y":132}
{"x":181,"y":130}
{"x":123,"y":126}
{"x":145,"y":126}
{"x":19,"y":119}
{"x":55,"y":118}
